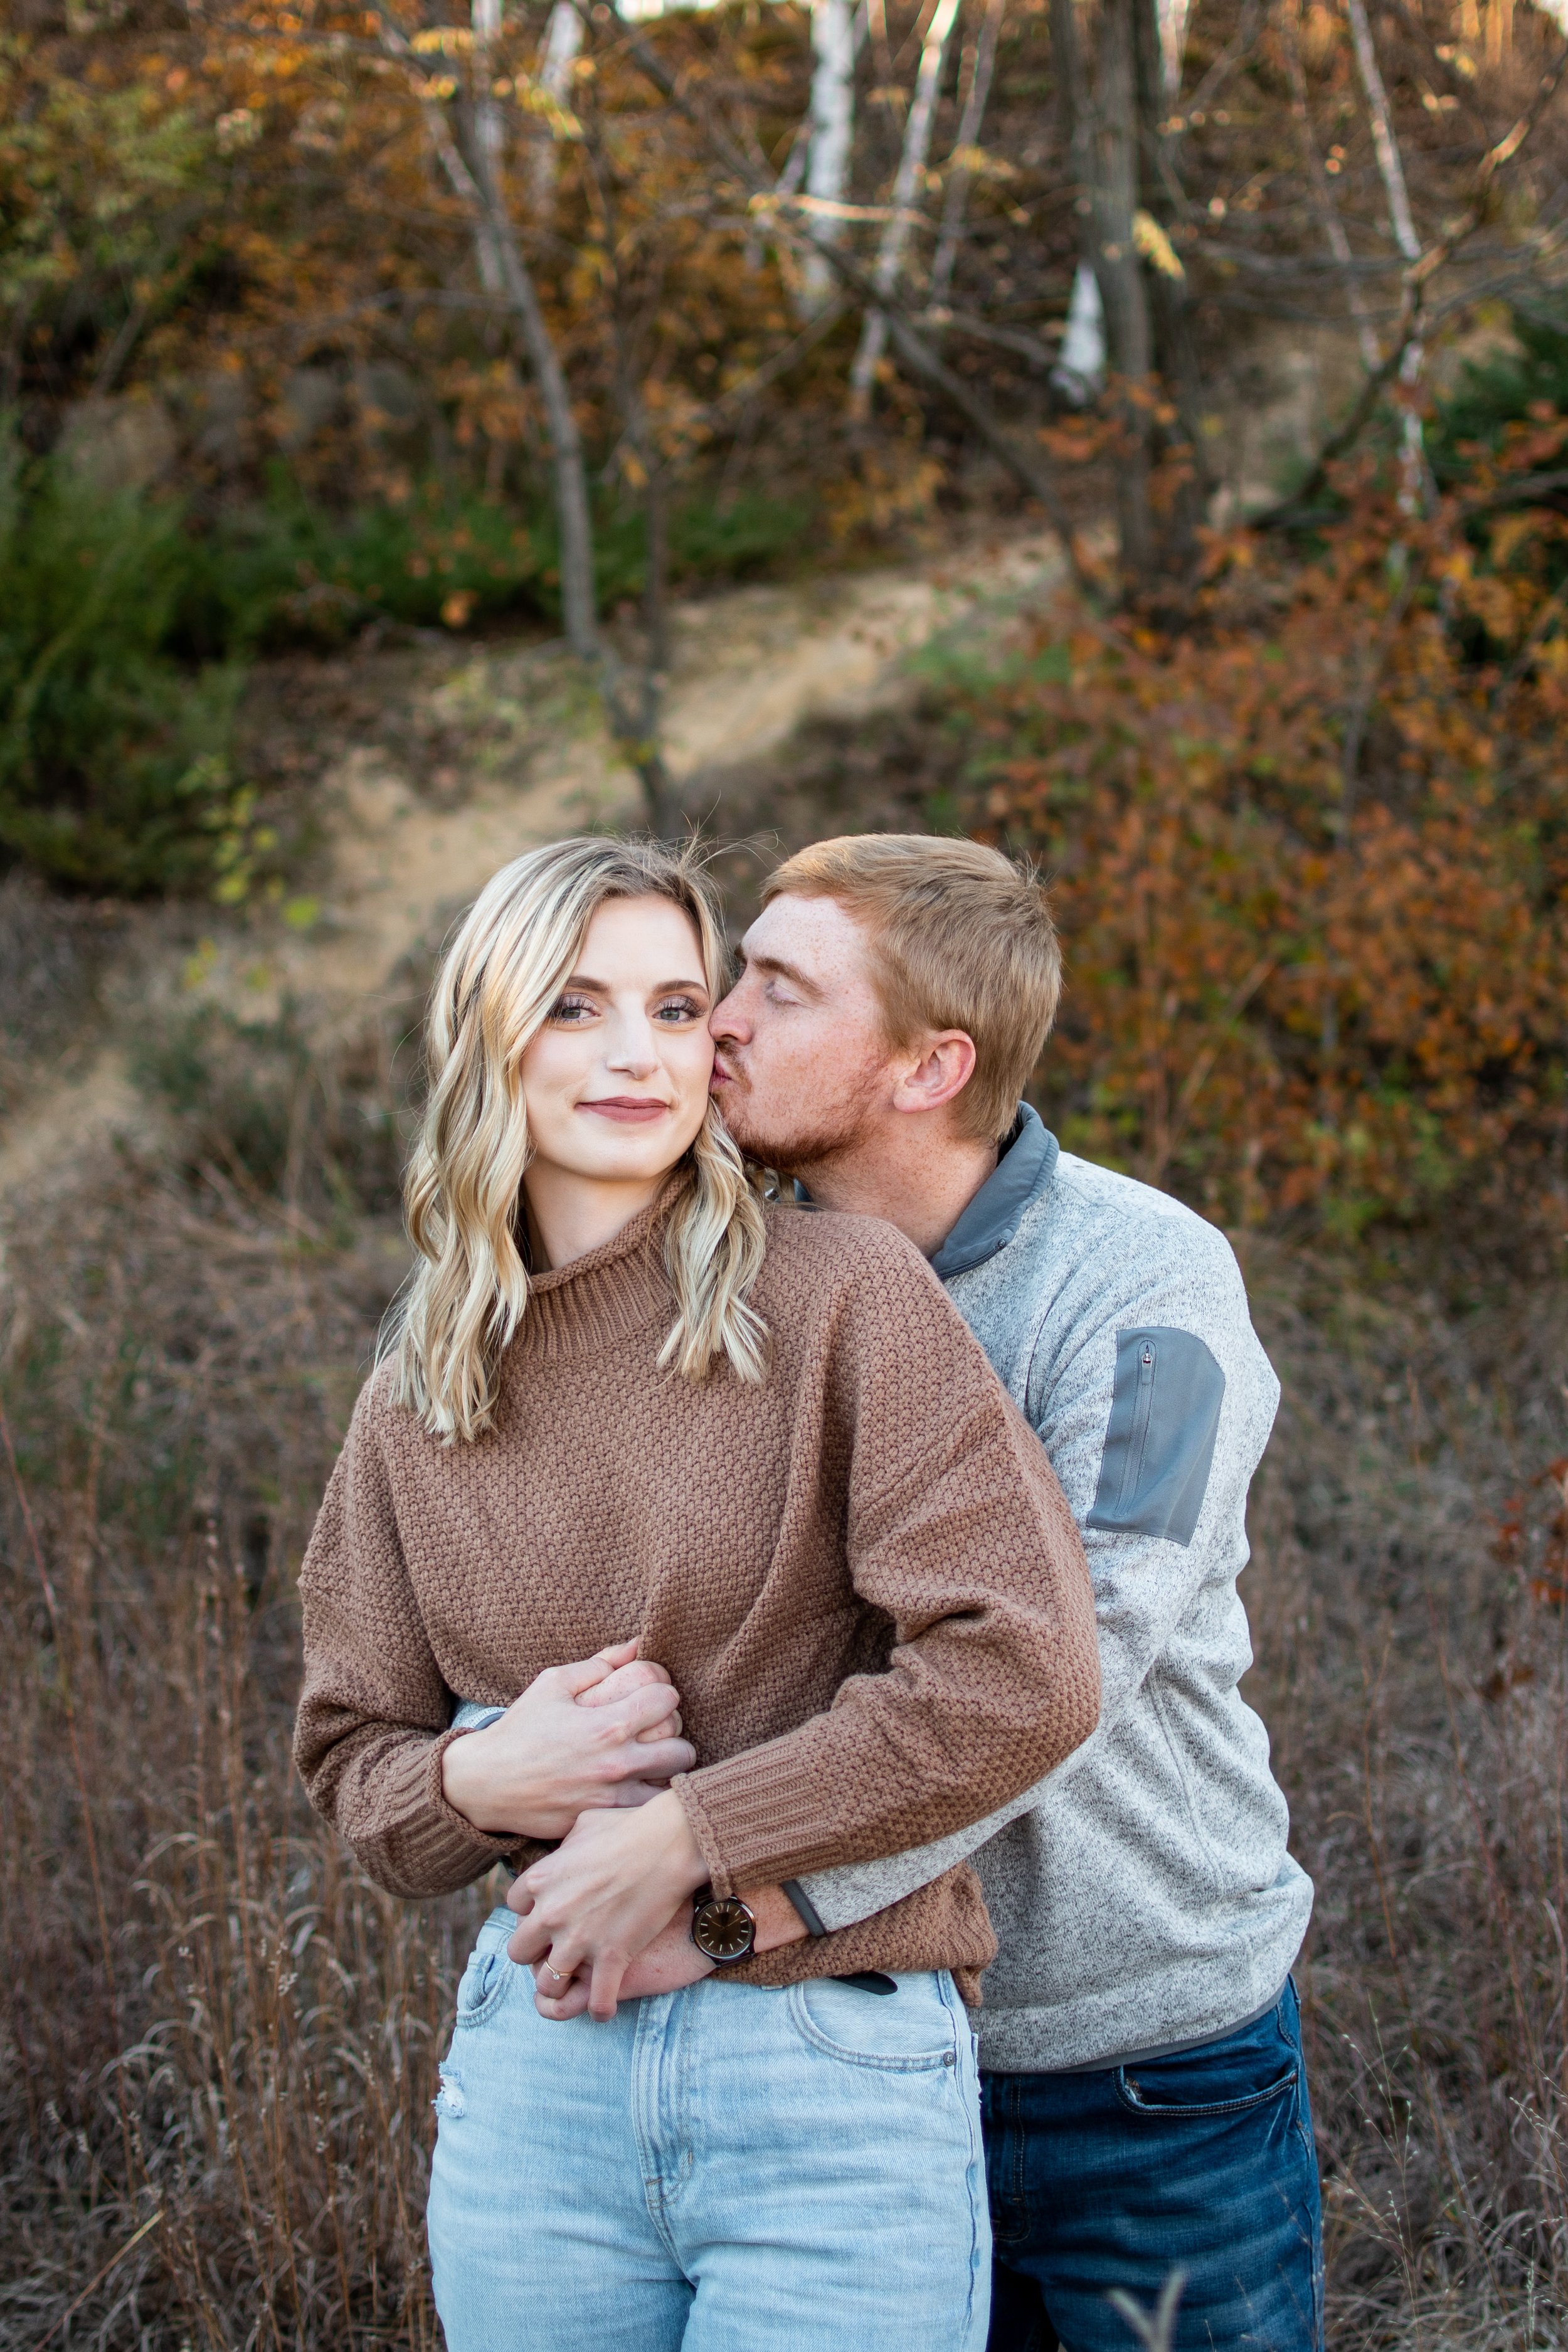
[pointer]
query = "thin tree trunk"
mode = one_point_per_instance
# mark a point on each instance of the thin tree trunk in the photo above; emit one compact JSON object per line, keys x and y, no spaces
{"x":906,"y":187}
{"x":982,"y":65}
{"x":1328,"y":212}
{"x":563,"y":40}
{"x":485,"y":17}
{"x":1173,"y":359}
{"x":634,"y":694}
{"x":832,"y":138}
{"x":1079,"y":372}
{"x":1174,"y":18}
{"x":476,"y":185}
{"x":472,"y":181}
{"x":1392,"y":169}
{"x":1112,"y":194}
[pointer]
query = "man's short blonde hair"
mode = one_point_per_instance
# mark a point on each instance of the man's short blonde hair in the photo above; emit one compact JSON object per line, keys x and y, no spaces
{"x":962,"y":939}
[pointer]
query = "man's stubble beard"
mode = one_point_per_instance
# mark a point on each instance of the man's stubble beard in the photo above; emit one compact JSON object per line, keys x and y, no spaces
{"x":795,"y":1143}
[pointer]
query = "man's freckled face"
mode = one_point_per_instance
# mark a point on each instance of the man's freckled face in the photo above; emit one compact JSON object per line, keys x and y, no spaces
{"x":800,"y":1047}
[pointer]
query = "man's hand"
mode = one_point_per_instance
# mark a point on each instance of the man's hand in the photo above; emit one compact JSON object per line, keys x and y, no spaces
{"x":604,"y":1733}
{"x":672,"y":1961}
{"x":669,"y":1962}
{"x":603,"y":1896}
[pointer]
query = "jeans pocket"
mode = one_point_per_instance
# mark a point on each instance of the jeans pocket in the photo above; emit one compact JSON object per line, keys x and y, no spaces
{"x":915,"y":2032}
{"x":1146,"y":2093}
{"x":488,"y":1977}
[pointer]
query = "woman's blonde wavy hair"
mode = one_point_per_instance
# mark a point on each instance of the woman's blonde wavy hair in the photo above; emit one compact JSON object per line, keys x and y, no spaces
{"x":463,"y":1191}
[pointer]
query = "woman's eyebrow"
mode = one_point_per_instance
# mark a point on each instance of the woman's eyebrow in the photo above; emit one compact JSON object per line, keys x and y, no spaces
{"x":604,"y":988}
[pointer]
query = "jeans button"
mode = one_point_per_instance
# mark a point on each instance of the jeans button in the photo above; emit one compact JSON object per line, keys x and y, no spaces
{"x":948,"y":2059}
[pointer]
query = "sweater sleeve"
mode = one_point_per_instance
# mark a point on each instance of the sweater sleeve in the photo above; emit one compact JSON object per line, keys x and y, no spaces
{"x":958,"y":1532}
{"x":1169,"y":1278}
{"x":373,"y":1711}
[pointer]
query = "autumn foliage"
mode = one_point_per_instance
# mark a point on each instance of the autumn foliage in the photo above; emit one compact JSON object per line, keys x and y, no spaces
{"x":1311,"y":854}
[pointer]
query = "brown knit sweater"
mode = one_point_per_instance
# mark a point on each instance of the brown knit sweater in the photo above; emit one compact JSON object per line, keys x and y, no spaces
{"x":861,"y":1576}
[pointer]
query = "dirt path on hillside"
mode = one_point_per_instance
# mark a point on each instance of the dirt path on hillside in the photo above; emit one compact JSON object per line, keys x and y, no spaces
{"x":751,"y":667}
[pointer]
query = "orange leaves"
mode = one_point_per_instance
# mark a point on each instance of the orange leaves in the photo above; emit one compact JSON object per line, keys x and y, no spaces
{"x":1294,"y":977}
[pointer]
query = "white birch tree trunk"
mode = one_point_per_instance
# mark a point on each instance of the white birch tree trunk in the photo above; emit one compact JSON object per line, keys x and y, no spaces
{"x":960,"y":173}
{"x":485,"y":17}
{"x":1173,"y":16}
{"x":1079,"y":372}
{"x":1391,"y":166}
{"x":832,"y":138}
{"x":563,"y":40}
{"x":906,"y":186}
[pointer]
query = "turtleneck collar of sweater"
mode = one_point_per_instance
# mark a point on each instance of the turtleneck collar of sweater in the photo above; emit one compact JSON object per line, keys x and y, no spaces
{"x":601,"y":1298}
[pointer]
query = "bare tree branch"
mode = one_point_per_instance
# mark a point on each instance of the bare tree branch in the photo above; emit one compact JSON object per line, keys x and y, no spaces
{"x":1413,"y":307}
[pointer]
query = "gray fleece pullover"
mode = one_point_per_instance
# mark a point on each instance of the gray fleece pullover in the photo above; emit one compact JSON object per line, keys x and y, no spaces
{"x":1143,"y":1894}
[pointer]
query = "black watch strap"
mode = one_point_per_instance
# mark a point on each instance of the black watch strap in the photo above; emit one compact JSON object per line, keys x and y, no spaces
{"x":806,"y":1907}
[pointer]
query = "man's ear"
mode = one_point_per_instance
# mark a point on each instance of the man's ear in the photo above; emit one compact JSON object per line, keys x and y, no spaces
{"x":940,"y":1067}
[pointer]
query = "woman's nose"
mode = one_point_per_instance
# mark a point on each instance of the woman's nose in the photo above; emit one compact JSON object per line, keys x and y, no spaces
{"x":633,"y":1048}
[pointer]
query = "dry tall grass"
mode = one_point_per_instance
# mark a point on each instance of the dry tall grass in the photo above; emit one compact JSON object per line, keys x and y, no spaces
{"x":221,"y":2041}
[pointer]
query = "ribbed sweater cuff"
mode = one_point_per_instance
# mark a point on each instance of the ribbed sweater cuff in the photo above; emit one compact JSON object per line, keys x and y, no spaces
{"x":432,"y":1845}
{"x":758,"y":1818}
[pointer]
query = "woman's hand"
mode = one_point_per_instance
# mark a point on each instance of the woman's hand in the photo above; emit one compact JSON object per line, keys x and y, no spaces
{"x":603,"y":1896}
{"x":601,"y":1734}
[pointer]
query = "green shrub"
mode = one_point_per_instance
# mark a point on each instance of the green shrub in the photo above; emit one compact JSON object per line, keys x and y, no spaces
{"x":1501,"y":390}
{"x":285,"y":571}
{"x":289,"y":573}
{"x":114,"y":770}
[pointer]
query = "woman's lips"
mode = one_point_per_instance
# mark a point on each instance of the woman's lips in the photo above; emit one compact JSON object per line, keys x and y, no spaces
{"x":627,"y":1110}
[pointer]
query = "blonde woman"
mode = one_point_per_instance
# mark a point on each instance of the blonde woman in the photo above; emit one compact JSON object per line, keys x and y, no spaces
{"x":630,"y":1403}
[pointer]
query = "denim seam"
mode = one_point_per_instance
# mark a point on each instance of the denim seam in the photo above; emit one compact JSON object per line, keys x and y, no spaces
{"x":976,"y":2172}
{"x":646,"y":2050}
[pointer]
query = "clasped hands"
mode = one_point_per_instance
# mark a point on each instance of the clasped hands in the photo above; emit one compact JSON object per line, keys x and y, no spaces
{"x":585,"y":1755}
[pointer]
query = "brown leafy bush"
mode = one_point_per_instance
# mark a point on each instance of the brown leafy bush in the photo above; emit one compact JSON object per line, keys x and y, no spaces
{"x":1310,"y":855}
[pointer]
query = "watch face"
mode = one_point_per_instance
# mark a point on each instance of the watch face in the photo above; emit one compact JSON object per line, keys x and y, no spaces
{"x":723,"y":1929}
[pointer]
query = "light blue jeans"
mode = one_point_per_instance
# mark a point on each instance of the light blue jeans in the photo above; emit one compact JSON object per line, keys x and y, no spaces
{"x":727,"y":2168}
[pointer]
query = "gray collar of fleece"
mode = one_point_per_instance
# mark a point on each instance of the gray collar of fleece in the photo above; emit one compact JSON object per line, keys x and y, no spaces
{"x":1023,"y":1167}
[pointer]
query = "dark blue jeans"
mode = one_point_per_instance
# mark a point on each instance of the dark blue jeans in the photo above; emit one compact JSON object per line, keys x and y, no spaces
{"x":1202,"y":2162}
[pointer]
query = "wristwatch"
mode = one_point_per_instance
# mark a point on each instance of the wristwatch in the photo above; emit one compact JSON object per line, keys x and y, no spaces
{"x":722,"y":1928}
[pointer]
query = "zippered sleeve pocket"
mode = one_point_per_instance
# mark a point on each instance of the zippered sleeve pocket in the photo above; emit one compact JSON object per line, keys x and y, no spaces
{"x":1160,"y":1438}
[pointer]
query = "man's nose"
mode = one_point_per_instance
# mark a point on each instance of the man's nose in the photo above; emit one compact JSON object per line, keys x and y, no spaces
{"x":726,"y":1019}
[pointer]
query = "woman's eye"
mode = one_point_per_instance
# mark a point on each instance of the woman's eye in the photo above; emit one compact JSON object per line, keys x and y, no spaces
{"x":678,"y":1008}
{"x":570,"y":1008}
